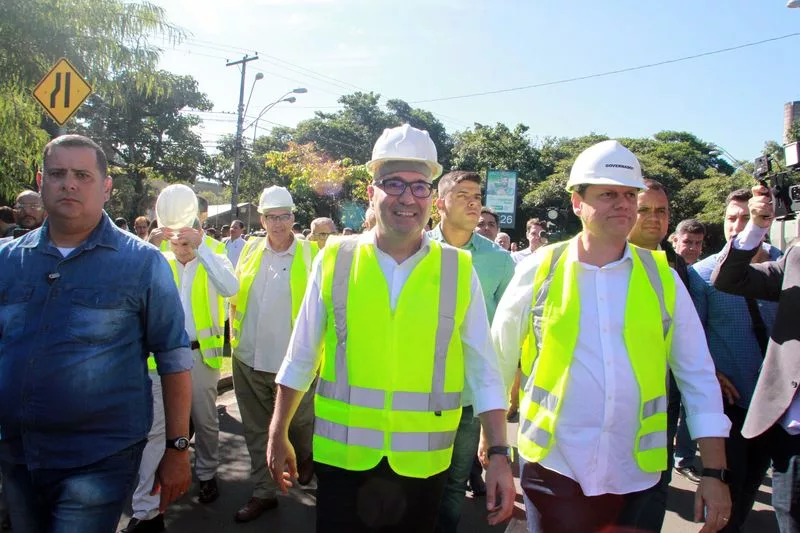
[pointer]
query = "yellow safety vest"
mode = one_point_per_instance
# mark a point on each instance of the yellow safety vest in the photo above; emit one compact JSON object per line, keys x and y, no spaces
{"x":391,"y":381}
{"x":208,"y":316}
{"x":247,"y":269}
{"x":216,"y":246}
{"x":549,"y":346}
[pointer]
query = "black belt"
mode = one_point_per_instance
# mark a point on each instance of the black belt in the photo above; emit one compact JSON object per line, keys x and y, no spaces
{"x":194,"y":345}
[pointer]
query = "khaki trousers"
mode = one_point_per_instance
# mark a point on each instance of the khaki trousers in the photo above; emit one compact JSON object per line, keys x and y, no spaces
{"x":256,"y":393}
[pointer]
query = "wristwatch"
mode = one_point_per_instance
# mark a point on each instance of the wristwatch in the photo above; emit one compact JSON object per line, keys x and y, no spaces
{"x":180,"y":443}
{"x":722,"y":474}
{"x":506,"y":451}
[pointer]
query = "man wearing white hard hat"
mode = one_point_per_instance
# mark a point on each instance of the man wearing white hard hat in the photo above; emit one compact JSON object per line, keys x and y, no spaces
{"x":596,"y":323}
{"x":179,"y":205}
{"x":273,"y":272}
{"x":204,"y":279}
{"x":395,"y":323}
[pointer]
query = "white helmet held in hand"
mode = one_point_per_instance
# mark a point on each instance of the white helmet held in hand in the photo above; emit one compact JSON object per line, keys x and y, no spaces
{"x":176,"y":207}
{"x":275,"y":197}
{"x":606,"y":163}
{"x":405,"y":143}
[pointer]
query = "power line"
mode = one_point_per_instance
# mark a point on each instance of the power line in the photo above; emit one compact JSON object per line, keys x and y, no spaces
{"x":608,"y":73}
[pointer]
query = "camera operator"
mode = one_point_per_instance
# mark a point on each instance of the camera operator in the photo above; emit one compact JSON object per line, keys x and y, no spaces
{"x":536,"y":233}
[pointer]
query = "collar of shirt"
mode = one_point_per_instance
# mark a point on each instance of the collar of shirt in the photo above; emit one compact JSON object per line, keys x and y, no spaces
{"x":369,"y":237}
{"x":104,"y":234}
{"x":475,"y":242}
{"x":572,"y":255}
{"x":289,"y":251}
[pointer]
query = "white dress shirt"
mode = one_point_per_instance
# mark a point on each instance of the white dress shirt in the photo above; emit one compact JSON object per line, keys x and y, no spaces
{"x":267,"y":323}
{"x":234,"y":249}
{"x":599,"y":419}
{"x":521,"y":254}
{"x":481,"y":371}
{"x":220,"y":273}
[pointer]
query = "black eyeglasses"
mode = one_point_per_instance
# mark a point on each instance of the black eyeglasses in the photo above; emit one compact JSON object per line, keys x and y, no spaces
{"x":285,"y":217}
{"x":396,"y":187}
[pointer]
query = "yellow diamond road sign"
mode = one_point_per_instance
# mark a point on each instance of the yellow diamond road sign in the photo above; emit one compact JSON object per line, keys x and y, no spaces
{"x":62,"y":91}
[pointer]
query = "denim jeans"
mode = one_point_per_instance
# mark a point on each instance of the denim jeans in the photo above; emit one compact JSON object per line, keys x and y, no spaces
{"x":465,"y":448}
{"x":88,"y":499}
{"x":556,"y":504}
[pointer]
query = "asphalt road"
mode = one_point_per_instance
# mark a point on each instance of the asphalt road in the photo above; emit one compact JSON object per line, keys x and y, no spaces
{"x":296,"y":512}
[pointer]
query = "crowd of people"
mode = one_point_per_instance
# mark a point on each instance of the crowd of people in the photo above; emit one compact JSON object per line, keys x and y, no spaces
{"x":387,"y":363}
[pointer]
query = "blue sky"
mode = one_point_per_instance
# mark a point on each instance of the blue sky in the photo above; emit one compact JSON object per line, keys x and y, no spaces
{"x":419,"y":50}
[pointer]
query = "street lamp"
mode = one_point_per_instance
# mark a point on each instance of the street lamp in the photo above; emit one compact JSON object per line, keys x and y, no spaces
{"x":291,"y":100}
{"x":717,"y":150}
{"x":259,"y":76}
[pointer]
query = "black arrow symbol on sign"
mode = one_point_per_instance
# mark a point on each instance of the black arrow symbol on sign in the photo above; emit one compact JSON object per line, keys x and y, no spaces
{"x":57,"y":89}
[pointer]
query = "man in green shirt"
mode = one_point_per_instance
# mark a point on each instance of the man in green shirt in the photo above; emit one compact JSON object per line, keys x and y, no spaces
{"x":459,"y":203}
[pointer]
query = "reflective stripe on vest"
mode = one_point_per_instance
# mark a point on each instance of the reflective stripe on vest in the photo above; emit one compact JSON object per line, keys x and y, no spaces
{"x":414,"y":429}
{"x":247,"y":270}
{"x":556,"y":303}
{"x":207,"y":314}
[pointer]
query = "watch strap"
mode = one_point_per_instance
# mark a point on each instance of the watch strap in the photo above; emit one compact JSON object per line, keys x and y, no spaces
{"x":505,"y":451}
{"x":722,"y":474}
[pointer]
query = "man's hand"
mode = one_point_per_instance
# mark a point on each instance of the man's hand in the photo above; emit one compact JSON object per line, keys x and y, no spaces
{"x":483,"y":451}
{"x":193,"y":236}
{"x":499,"y":484}
{"x":714,"y":498}
{"x":762,"y":206}
{"x":280,"y":453}
{"x":158,"y":235}
{"x":728,"y":390}
{"x":173,"y":477}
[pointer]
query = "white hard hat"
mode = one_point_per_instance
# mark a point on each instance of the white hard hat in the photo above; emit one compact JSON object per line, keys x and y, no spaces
{"x":176,"y":207}
{"x":606,"y":163}
{"x":275,"y":197}
{"x":405,"y":143}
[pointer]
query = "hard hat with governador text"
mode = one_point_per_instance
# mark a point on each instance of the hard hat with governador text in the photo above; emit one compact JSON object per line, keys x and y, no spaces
{"x":275,"y":197}
{"x":176,"y":207}
{"x":405,"y":143}
{"x":606,"y":163}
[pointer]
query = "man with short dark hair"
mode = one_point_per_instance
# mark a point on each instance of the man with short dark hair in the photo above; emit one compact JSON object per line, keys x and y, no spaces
{"x":737,"y":330}
{"x":488,"y":224}
{"x":225,"y":232}
{"x":81,"y":305}
{"x":773,"y":416}
{"x":459,"y":204}
{"x":536,"y":233}
{"x":688,"y":240}
{"x":235,"y":243}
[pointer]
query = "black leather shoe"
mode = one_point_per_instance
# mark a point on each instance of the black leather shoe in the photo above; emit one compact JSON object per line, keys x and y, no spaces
{"x":208,"y":491}
{"x":154,"y":525}
{"x":689,"y":472}
{"x":255,"y":508}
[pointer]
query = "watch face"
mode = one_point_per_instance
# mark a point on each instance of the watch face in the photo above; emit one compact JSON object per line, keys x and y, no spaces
{"x":181,"y":443}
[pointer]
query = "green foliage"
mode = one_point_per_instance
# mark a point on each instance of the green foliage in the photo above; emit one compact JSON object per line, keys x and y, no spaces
{"x":147,"y":137}
{"x":21,"y":140}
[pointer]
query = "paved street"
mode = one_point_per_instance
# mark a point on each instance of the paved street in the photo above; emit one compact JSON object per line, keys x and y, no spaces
{"x":296,"y":511}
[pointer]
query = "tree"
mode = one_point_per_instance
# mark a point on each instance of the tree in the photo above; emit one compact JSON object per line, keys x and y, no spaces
{"x":148,"y":137}
{"x":321,"y":185}
{"x":498,"y":147}
{"x":100,"y":37}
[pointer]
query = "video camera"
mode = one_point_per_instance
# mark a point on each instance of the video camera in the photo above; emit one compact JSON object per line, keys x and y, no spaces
{"x":787,"y":196}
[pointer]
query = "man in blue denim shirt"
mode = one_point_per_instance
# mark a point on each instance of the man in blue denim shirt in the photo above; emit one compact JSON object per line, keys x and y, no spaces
{"x":738,"y":358}
{"x":81,"y":305}
{"x":459,"y":203}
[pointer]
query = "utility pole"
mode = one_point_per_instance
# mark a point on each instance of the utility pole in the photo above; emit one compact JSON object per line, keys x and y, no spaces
{"x":237,"y":153}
